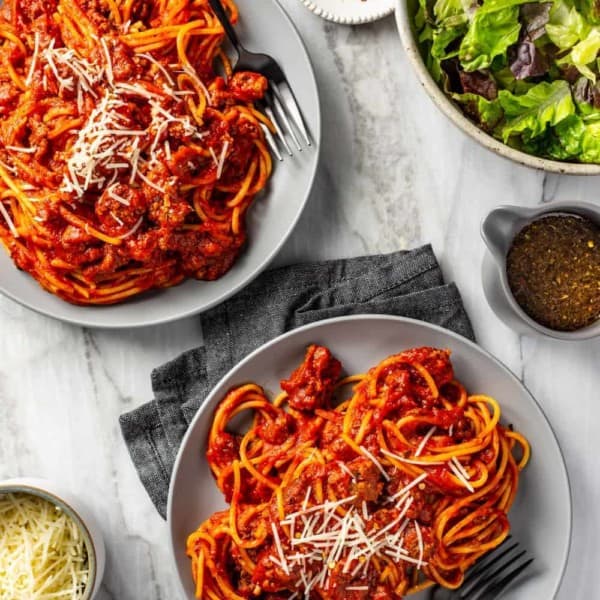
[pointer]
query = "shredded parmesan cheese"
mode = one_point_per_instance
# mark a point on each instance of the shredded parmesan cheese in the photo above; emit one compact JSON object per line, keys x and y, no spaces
{"x":8,"y":220}
{"x":372,"y":458}
{"x":424,"y":441}
{"x":34,"y":59}
{"x":22,"y":149}
{"x":42,"y":553}
{"x":459,"y":475}
{"x":133,"y":229}
{"x":222,"y":159}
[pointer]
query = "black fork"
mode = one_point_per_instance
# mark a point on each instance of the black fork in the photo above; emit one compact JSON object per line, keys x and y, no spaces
{"x":490,"y":576}
{"x":279,"y":102}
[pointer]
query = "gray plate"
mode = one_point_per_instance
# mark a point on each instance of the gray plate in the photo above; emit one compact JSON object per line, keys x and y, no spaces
{"x":265,"y":27}
{"x":541,"y":515}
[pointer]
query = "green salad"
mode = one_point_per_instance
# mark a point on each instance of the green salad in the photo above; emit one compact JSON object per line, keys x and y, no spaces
{"x":528,"y":73}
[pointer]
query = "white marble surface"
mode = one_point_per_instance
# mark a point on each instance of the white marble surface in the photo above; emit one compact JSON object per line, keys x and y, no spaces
{"x":394,"y":174}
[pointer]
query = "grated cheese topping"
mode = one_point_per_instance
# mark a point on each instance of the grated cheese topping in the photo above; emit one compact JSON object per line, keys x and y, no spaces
{"x":460,"y":473}
{"x":424,"y":441}
{"x":42,"y":552}
{"x":109,"y":143}
{"x":319,"y":537}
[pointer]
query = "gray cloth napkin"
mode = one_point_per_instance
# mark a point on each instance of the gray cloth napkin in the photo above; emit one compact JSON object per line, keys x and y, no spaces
{"x":407,"y":283}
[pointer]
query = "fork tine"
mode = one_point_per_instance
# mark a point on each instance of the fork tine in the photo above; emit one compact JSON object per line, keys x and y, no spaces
{"x":493,"y":588}
{"x":502,"y":567}
{"x":271,"y":115}
{"x":500,"y":586}
{"x":487,"y":561}
{"x":287,"y":99}
{"x":271,"y":141}
{"x":282,"y":113}
{"x":481,"y":574}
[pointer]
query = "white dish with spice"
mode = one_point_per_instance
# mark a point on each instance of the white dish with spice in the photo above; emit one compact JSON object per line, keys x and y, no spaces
{"x":51,"y":546}
{"x":350,"y":12}
{"x":498,"y":230}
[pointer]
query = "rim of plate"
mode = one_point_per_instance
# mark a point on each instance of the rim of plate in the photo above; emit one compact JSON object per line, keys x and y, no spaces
{"x":455,"y":115}
{"x":83,"y":320}
{"x":326,"y":9}
{"x":200,"y":413}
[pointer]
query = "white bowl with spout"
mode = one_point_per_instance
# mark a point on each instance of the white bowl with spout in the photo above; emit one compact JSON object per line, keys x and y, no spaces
{"x":498,"y":230}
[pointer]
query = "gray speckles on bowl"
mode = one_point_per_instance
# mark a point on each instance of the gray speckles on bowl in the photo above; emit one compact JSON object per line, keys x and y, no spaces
{"x":404,"y":20}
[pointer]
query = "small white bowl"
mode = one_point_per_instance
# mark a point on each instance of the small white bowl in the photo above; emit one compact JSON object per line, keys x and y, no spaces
{"x":350,"y":12}
{"x":498,"y":230}
{"x":83,"y":518}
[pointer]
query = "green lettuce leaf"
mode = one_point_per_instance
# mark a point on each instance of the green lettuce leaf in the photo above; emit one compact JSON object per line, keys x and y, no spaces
{"x":508,"y":81}
{"x":494,"y":27}
{"x":590,"y":144}
{"x":449,"y":13}
{"x":567,"y":138}
{"x":451,"y":24}
{"x":566,"y":26}
{"x":487,"y":113}
{"x":584,"y":53}
{"x":441,"y":39}
{"x":590,"y":10}
{"x":530,"y":114}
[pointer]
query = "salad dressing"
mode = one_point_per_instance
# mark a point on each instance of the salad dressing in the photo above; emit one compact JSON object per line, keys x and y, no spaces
{"x":553,"y":269}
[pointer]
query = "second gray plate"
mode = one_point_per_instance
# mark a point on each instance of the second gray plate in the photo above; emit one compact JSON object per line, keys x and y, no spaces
{"x":541,"y":515}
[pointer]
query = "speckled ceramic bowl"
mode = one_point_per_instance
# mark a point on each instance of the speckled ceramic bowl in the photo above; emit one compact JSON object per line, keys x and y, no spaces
{"x":498,"y":230}
{"x":405,"y":10}
{"x":85,"y":521}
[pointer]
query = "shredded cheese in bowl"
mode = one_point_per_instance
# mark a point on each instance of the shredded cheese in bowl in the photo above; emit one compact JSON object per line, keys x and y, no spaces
{"x":43,"y":554}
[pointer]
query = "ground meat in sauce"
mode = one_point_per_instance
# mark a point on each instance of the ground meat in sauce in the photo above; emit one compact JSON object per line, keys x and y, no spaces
{"x":344,"y":473}
{"x":311,"y":384}
{"x":174,"y":223}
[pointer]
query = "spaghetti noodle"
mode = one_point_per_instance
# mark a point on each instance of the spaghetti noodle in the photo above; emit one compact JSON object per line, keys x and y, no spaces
{"x":405,"y":483}
{"x":126,"y":161}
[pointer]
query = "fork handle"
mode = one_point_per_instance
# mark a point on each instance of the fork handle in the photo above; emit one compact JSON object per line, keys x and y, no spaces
{"x":224,"y":19}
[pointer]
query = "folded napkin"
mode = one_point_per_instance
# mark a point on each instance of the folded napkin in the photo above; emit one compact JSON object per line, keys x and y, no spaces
{"x":407,"y":283}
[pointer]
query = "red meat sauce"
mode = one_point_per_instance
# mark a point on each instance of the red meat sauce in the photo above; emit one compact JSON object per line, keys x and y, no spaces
{"x":206,"y":251}
{"x":310,"y":388}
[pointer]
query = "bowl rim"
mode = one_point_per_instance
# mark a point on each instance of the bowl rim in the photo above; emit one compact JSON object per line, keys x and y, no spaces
{"x":34,"y":488}
{"x":527,"y":216}
{"x":455,"y":115}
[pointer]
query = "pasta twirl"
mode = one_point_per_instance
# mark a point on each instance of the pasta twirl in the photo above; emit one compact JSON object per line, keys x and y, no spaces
{"x":405,"y":482}
{"x":126,"y":161}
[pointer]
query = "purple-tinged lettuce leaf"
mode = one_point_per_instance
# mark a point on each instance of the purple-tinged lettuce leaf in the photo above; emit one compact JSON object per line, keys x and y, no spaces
{"x":492,"y":30}
{"x":534,"y":16}
{"x":527,"y":60}
{"x":477,"y":82}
